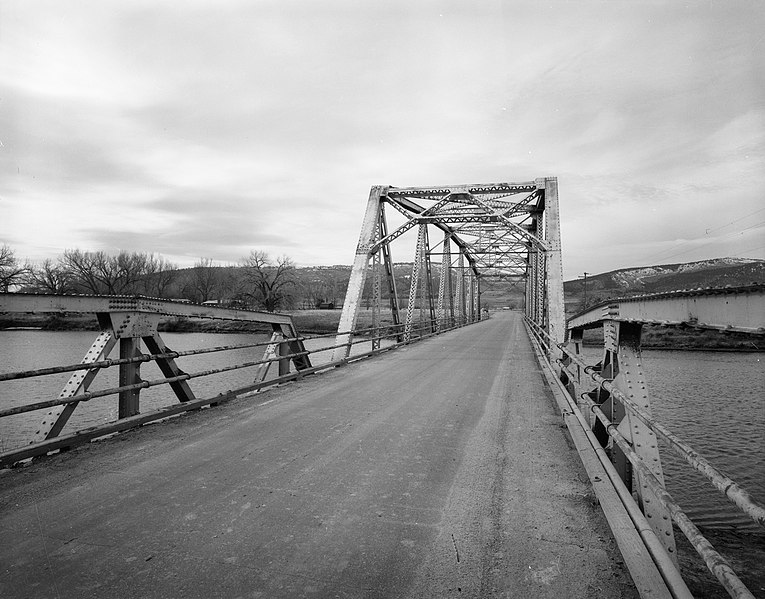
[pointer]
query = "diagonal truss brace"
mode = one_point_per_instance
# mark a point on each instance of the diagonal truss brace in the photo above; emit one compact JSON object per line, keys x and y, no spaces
{"x":56,"y":418}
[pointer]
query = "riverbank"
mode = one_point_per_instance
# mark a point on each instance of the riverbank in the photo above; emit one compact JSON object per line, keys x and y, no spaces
{"x":317,"y":322}
{"x":685,"y":338}
{"x":307,"y":322}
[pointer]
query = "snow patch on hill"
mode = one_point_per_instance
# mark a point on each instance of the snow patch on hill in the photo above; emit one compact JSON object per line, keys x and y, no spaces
{"x":637,"y":277}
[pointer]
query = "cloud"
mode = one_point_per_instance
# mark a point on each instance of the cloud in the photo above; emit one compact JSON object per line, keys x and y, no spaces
{"x":210,"y":129}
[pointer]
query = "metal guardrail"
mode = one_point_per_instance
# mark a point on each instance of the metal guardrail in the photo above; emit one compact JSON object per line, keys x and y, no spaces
{"x":714,"y":561}
{"x":285,"y":350}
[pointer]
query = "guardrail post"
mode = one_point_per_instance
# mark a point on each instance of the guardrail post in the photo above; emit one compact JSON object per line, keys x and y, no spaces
{"x":129,"y":400}
{"x":284,"y":363}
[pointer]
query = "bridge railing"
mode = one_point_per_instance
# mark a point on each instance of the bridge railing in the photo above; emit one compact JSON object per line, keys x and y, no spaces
{"x":132,"y":323}
{"x":611,"y":401}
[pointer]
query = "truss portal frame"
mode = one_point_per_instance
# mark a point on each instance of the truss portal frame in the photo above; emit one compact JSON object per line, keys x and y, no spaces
{"x":499,"y":230}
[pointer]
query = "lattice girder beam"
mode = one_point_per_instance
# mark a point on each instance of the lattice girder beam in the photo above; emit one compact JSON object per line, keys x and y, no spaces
{"x":445,"y":287}
{"x":414,"y":287}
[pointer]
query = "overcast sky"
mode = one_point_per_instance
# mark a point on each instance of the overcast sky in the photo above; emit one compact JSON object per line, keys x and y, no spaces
{"x":206,"y":129}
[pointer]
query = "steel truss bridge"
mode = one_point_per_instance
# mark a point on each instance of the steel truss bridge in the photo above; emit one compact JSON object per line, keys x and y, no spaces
{"x":498,"y":231}
{"x":462,"y":235}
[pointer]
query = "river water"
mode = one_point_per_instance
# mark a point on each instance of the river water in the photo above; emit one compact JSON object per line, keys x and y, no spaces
{"x":713,"y":400}
{"x":33,"y":349}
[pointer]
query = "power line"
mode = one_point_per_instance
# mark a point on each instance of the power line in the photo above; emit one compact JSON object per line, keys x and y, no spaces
{"x":707,"y":232}
{"x":762,"y":247}
{"x":703,"y":245}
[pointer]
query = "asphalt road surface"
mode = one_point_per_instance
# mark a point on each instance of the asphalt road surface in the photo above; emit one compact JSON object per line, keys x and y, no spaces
{"x":437,"y":470}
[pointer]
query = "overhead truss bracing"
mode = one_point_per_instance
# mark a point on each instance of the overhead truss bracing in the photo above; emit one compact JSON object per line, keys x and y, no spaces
{"x":461,"y":234}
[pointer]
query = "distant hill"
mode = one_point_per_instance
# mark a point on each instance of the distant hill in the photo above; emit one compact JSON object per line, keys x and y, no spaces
{"x":718,"y":272}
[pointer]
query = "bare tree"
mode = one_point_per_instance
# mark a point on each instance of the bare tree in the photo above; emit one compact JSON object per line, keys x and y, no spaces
{"x":100,"y":273}
{"x":50,"y":277}
{"x":87,"y":270}
{"x":311,"y":289}
{"x":11,"y":272}
{"x":333,"y":285}
{"x":159,"y":276}
{"x":127,"y":271}
{"x":268,"y":281}
{"x":203,"y":281}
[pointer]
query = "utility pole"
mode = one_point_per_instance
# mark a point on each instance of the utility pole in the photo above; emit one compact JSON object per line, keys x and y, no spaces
{"x":585,"y":289}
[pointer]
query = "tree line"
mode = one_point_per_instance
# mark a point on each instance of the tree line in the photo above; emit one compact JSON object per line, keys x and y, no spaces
{"x":256,"y":281}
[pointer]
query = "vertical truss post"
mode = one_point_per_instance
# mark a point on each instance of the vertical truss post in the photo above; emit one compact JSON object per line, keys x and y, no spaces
{"x":422,"y":291}
{"x":554,"y":303}
{"x":129,"y":374}
{"x":358,"y":276}
{"x":428,"y":286}
{"x":533,"y":283}
{"x":450,"y":288}
{"x":414,"y":282}
{"x":445,"y":285}
{"x":390,"y":276}
{"x":528,"y":308}
{"x":630,"y":380}
{"x":477,"y":298}
{"x":471,"y":299}
{"x":376,"y":298}
{"x":468,"y":296}
{"x":460,"y":290}
{"x":294,"y":347}
{"x":539,"y":289}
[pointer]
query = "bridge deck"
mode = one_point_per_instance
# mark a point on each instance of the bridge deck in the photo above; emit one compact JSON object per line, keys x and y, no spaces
{"x":437,"y":470}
